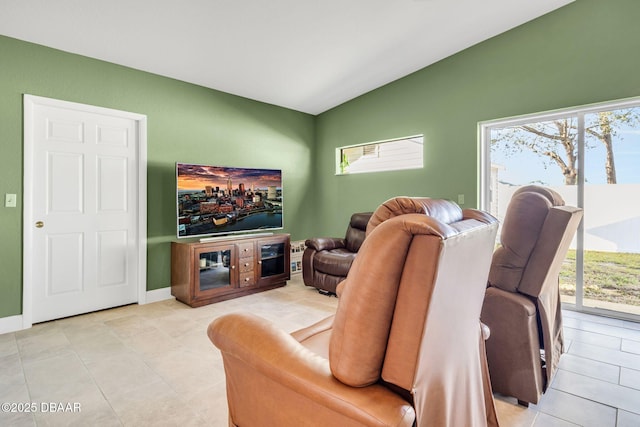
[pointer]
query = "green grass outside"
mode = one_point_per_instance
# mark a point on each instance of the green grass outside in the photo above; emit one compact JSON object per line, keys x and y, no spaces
{"x":608,"y":276}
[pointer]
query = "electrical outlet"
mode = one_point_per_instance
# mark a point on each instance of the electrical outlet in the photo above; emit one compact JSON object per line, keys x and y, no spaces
{"x":461,"y":199}
{"x":10,"y":200}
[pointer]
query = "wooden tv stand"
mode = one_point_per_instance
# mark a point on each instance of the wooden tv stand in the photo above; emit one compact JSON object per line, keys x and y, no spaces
{"x":207,"y":272}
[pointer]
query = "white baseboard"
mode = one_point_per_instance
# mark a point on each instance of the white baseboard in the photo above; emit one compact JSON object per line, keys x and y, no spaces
{"x":158,"y":295}
{"x":14,"y":323}
{"x":11,"y":324}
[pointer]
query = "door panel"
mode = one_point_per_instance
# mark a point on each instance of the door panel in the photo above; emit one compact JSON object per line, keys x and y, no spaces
{"x":84,"y":198}
{"x":113,"y":184}
{"x":64,"y":266}
{"x":64,"y":183}
{"x":61,"y":130}
{"x":115,"y":136}
{"x":112,"y":258}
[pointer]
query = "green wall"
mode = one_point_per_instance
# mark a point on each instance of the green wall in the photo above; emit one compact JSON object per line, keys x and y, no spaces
{"x":583,"y":53}
{"x":185,"y":123}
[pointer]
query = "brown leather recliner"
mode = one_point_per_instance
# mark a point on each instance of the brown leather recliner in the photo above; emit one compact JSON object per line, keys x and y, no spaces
{"x":404,"y":346}
{"x":522,"y":302}
{"x":327,"y":260}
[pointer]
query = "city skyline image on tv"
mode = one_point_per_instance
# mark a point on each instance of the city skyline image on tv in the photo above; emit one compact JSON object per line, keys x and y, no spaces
{"x":220,"y":200}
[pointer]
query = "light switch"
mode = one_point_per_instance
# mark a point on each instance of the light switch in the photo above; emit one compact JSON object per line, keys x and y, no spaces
{"x":10,"y":200}
{"x":461,"y":199}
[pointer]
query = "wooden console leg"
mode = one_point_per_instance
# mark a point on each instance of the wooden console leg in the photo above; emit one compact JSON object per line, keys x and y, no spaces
{"x":523,"y":403}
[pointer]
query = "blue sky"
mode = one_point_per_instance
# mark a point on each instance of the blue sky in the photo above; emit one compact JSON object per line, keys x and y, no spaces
{"x":526,"y":167}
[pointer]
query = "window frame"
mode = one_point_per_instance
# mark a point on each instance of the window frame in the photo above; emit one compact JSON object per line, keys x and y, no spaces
{"x":339,"y":155}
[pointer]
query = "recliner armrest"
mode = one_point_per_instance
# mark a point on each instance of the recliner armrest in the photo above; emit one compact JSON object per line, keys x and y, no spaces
{"x":264,"y":358}
{"x":325,"y":243}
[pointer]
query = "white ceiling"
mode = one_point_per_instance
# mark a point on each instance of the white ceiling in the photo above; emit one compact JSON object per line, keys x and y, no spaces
{"x":307,"y":55}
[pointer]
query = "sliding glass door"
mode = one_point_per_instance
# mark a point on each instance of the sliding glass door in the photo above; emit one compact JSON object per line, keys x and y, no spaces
{"x":591,"y":156}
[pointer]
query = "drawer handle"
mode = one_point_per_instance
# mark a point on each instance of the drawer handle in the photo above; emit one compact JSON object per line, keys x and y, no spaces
{"x":246,"y":279}
{"x":246,"y":264}
{"x":233,"y":267}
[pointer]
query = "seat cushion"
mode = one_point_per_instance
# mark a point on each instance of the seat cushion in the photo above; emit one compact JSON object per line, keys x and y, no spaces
{"x":335,"y":262}
{"x":316,"y":337}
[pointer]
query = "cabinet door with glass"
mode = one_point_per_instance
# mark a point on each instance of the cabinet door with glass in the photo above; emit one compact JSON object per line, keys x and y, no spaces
{"x":273,"y":260}
{"x":216,"y":270}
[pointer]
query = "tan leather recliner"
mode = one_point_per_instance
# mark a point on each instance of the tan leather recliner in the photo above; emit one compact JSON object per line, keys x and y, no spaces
{"x":522,"y":303}
{"x":327,"y":260}
{"x":404,"y":345}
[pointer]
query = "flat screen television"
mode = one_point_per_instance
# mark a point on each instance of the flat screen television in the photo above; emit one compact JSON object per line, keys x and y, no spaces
{"x":219,"y":200}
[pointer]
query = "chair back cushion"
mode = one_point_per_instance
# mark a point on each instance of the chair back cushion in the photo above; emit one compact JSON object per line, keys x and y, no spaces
{"x":356,"y":231}
{"x":444,"y":211}
{"x":460,"y":263}
{"x":546,"y":259}
{"x":526,"y":224}
{"x":365,"y":308}
{"x":361,"y":332}
{"x":409,"y":315}
{"x":521,"y":227}
{"x":450,"y":384}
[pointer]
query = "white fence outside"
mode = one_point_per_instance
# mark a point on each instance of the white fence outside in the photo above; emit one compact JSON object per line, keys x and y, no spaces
{"x":611,"y":214}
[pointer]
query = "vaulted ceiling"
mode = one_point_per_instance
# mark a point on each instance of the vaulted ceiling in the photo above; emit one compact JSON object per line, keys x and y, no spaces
{"x":307,"y":55}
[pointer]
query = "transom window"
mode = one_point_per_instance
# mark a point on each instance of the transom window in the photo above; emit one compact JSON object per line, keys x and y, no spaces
{"x":393,"y":154}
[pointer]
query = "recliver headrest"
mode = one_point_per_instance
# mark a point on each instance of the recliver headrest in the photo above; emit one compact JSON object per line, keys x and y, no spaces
{"x":445,"y":211}
{"x":554,"y":197}
{"x":359,"y":220}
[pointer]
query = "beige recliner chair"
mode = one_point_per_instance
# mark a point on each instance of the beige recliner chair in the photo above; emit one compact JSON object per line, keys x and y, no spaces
{"x":404,"y":346}
{"x":522,"y":303}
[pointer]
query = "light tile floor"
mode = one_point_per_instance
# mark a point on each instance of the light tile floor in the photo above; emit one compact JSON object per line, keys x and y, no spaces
{"x":153,"y":365}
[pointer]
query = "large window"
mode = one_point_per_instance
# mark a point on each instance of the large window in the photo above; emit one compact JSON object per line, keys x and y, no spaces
{"x":591,"y":156}
{"x":394,"y":154}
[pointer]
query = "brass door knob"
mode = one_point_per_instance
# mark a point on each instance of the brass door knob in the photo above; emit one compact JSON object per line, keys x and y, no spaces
{"x":39,"y":224}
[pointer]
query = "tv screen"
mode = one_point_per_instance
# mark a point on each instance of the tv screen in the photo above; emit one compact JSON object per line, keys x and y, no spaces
{"x":216,"y":200}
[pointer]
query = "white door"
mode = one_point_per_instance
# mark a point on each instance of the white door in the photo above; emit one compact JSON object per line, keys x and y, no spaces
{"x":81,"y":209}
